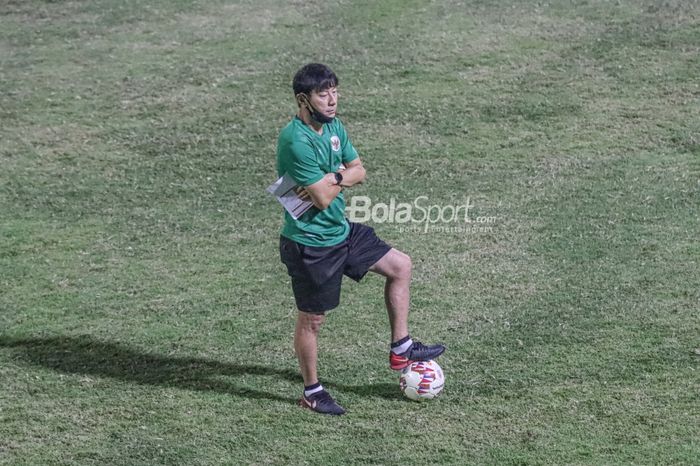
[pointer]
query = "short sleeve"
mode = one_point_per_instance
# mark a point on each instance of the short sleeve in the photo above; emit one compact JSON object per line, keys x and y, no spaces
{"x":348,"y":150}
{"x":302,"y":165}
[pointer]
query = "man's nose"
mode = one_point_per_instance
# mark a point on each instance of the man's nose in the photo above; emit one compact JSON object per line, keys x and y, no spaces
{"x":332,"y":99}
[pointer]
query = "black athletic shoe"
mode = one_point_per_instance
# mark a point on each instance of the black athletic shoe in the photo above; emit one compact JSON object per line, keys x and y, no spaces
{"x":417,"y":352}
{"x":321,"y":402}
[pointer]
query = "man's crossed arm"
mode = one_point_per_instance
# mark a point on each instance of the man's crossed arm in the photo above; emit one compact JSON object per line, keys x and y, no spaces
{"x":325,"y":190}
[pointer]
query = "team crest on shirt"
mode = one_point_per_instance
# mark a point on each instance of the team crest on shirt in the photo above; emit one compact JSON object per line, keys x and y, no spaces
{"x":335,"y":143}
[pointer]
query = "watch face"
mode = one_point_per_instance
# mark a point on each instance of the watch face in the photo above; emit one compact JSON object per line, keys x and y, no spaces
{"x":338,"y":178}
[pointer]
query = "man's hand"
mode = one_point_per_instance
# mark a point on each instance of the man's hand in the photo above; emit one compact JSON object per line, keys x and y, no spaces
{"x":302,"y":193}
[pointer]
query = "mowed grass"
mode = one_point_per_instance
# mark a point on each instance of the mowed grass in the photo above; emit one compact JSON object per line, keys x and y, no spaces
{"x":145,"y":317}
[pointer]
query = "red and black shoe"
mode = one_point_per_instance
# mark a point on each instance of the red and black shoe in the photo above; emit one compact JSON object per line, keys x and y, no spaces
{"x":321,"y":402}
{"x":417,"y":352}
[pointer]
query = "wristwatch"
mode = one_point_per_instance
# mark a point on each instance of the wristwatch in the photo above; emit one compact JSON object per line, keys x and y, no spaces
{"x":338,"y":178}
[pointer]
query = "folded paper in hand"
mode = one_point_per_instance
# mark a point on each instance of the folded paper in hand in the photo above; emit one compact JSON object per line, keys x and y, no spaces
{"x":284,"y":189}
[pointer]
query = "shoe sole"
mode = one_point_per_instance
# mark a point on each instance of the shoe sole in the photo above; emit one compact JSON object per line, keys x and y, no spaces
{"x":399,"y":363}
{"x":398,"y":366}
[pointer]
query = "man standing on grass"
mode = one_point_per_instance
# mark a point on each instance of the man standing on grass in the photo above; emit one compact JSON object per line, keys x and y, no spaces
{"x":322,"y":245}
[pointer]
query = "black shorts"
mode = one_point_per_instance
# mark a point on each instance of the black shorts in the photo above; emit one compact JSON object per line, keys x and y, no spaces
{"x":317,"y":272}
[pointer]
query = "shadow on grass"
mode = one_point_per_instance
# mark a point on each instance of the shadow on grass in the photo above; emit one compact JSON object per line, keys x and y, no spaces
{"x":85,"y":355}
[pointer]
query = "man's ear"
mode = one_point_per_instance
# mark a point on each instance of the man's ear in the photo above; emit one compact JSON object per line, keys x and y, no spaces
{"x":303,"y":100}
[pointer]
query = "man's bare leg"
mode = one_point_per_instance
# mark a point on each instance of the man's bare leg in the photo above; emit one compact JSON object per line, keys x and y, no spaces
{"x":315,"y":396}
{"x":396,"y":267}
{"x":306,"y":344}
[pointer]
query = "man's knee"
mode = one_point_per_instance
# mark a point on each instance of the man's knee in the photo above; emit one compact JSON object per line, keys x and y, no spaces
{"x":311,"y":322}
{"x":403,"y":266}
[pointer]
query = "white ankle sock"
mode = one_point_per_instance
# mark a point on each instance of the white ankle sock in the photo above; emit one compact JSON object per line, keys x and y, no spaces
{"x":308,"y":393}
{"x":403,"y":347}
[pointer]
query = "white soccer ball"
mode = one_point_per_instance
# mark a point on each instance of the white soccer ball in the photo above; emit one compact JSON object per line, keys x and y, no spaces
{"x":422,"y":380}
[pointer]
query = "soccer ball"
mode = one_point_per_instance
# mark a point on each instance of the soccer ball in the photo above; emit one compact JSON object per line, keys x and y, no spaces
{"x":422,"y":380}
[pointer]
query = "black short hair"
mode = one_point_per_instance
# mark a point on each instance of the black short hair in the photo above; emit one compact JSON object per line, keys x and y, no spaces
{"x":313,"y":77}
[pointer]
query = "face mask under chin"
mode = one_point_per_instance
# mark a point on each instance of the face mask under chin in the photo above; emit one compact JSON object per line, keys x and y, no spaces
{"x":320,"y":117}
{"x":317,"y":116}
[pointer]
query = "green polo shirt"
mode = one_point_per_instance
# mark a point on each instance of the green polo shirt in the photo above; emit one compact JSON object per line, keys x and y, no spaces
{"x":307,"y":156}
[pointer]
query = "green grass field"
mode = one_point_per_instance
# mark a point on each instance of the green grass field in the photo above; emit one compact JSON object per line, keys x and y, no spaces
{"x":145,"y":318}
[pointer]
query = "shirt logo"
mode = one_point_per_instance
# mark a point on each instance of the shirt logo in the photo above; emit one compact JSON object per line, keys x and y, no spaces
{"x":335,"y":143}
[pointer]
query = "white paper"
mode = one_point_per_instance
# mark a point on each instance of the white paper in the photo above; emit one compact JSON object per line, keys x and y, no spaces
{"x":284,"y":189}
